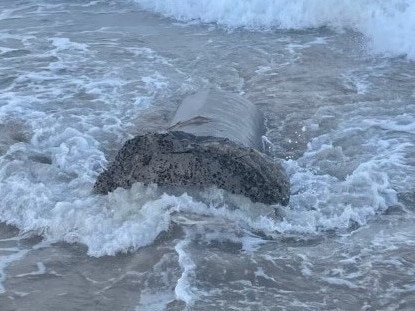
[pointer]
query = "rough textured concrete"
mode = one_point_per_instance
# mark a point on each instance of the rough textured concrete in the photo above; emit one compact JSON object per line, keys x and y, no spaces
{"x":181,"y":159}
{"x":213,"y":141}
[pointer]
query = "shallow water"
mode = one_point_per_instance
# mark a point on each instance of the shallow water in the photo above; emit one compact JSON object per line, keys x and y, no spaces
{"x":79,"y":78}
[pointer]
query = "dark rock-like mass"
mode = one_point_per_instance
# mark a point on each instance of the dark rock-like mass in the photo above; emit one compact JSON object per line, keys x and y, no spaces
{"x":182,"y":159}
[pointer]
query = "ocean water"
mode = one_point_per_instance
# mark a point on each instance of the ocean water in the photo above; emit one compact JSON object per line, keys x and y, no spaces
{"x":335,"y":80}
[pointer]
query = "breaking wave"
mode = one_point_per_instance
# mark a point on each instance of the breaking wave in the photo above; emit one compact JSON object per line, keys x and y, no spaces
{"x":388,"y":25}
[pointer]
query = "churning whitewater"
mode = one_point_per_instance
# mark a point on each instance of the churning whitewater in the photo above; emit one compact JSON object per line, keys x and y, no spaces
{"x":335,"y":82}
{"x":389,"y":26}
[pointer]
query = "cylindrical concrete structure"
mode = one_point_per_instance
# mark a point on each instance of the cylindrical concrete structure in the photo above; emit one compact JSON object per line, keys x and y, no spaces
{"x":212,"y":112}
{"x":213,"y":140}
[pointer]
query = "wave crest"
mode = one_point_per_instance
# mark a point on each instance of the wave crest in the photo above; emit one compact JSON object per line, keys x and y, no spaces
{"x":389,"y":25}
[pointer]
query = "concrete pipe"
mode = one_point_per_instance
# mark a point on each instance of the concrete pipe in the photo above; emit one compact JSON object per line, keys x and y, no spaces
{"x":214,"y":139}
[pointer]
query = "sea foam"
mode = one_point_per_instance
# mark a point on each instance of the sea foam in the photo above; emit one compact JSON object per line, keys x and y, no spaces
{"x":388,"y":25}
{"x":47,"y":172}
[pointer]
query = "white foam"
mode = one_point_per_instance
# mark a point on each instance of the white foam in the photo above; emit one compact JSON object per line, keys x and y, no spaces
{"x":128,"y":219}
{"x":261,"y":273}
{"x":332,"y":185}
{"x":5,"y":260}
{"x":339,"y":282}
{"x":46,"y":181}
{"x":41,"y":269}
{"x":66,"y":44}
{"x":155,"y":82}
{"x":183,"y":289}
{"x":350,"y":174}
{"x":154,"y":301}
{"x":55,"y":200}
{"x":150,"y":54}
{"x":389,"y":25}
{"x":357,"y":83}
